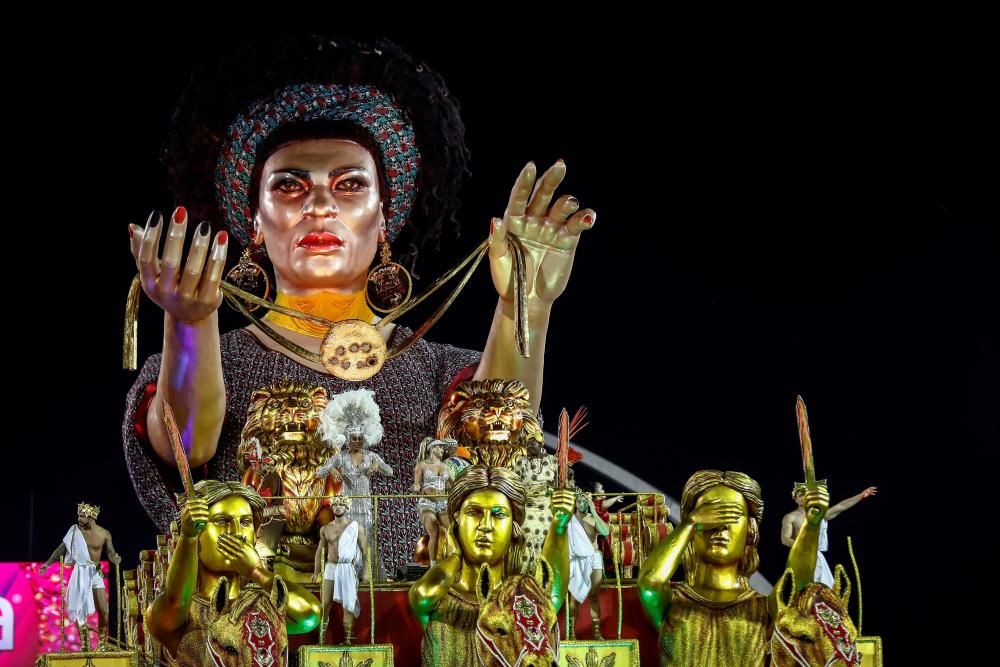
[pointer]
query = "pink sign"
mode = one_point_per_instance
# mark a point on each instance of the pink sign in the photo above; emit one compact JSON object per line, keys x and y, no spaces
{"x":31,"y":613}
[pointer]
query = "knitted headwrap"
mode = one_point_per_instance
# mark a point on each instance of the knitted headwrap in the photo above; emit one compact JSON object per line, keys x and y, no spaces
{"x":364,"y":106}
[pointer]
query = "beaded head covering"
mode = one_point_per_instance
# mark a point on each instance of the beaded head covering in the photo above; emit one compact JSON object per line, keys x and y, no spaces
{"x":364,"y":106}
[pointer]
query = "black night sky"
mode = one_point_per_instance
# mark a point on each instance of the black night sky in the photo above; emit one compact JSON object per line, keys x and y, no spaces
{"x":771,"y":221}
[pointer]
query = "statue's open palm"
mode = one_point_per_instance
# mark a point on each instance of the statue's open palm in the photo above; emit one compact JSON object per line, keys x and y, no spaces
{"x":550,"y":232}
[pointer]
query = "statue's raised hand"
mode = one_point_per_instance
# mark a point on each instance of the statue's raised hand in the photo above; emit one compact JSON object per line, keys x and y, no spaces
{"x":189,"y":291}
{"x":713,"y":513}
{"x":550,"y":231}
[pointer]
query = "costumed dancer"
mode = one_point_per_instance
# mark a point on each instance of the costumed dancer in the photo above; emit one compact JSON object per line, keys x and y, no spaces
{"x":216,"y":589}
{"x":792,"y":523}
{"x":82,"y":545}
{"x":431,"y":477}
{"x":586,"y":562}
{"x":346,"y":545}
{"x":352,"y":419}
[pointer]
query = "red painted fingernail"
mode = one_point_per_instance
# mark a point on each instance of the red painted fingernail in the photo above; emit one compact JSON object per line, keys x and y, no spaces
{"x":588,"y":219}
{"x":180,"y":215}
{"x":223,"y":237}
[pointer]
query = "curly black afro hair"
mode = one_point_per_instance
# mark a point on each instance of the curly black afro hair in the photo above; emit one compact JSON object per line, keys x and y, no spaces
{"x":218,"y":92}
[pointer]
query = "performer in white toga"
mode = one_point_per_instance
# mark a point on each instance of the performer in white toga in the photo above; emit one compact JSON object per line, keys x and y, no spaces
{"x":586,"y":563}
{"x":350,"y":424}
{"x":83,"y":544}
{"x":346,"y":544}
{"x":792,"y":522}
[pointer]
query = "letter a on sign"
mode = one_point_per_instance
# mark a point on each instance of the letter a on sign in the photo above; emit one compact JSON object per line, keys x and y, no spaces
{"x":6,"y":626}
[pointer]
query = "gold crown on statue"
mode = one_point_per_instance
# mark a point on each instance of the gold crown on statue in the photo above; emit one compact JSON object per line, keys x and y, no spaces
{"x":88,"y":510}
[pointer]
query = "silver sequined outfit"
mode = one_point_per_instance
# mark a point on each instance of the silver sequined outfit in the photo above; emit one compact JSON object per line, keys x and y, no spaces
{"x":435,"y":485}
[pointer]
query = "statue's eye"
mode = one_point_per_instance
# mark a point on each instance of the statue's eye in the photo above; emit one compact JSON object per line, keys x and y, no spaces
{"x":231,"y":650}
{"x":305,"y":403}
{"x":480,"y":403}
{"x":500,"y":631}
{"x":274,"y":404}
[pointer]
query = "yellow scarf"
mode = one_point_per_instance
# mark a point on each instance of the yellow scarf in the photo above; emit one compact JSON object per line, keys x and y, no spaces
{"x":329,"y":305}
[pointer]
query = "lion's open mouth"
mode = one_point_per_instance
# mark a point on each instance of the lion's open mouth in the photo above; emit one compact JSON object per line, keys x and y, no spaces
{"x":290,"y":432}
{"x":294,"y":433}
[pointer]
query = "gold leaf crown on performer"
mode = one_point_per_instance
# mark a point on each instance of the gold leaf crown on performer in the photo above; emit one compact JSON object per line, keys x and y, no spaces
{"x":343,"y":501}
{"x":88,"y":510}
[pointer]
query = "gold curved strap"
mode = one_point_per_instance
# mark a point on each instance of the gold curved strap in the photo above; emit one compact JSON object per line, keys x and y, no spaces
{"x":234,"y":295}
{"x":268,"y":331}
{"x":476,"y":254}
{"x":857,"y":577}
{"x":521,"y":334}
{"x":236,"y":298}
{"x":130,"y":355}
{"x":425,"y":327}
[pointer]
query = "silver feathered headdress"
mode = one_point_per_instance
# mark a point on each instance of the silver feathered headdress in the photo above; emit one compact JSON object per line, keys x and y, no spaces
{"x":349,"y":413}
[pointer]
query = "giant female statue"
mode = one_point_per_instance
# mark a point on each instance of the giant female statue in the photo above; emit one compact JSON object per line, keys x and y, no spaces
{"x":317,"y":153}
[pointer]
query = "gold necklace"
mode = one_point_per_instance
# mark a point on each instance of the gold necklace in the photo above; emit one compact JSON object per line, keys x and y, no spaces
{"x":351,"y":349}
{"x":355,"y":350}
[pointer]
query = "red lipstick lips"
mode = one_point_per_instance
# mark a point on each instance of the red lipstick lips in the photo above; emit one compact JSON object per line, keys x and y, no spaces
{"x":321,"y":242}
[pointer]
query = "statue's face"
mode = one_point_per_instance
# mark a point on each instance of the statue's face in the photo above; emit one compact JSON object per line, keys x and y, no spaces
{"x":485,"y":527}
{"x":320,"y":214}
{"x":722,"y":545}
{"x":230,"y":515}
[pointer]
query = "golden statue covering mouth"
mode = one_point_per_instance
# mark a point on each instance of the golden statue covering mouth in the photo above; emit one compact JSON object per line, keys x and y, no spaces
{"x":218,"y":600}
